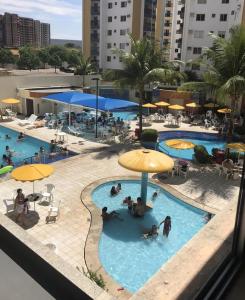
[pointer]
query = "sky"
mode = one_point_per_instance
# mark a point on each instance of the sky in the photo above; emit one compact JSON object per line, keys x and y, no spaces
{"x":65,"y":16}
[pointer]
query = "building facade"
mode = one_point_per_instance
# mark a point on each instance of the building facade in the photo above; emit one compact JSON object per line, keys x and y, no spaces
{"x":106,"y":25}
{"x":17,"y":31}
{"x":182,"y":27}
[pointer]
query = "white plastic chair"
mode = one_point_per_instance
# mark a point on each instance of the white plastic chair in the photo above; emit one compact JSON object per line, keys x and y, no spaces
{"x":9,"y":203}
{"x":28,"y":121}
{"x":54,"y":210}
{"x":48,"y":194}
{"x":184,"y":173}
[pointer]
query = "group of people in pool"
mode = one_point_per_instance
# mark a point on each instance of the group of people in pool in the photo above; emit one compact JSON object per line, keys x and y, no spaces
{"x":153,"y":232}
{"x":7,"y":156}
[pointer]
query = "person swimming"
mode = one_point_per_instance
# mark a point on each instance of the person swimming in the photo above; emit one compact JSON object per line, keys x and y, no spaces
{"x":7,"y":137}
{"x":108,"y":216}
{"x":20,"y":136}
{"x":114,"y":191}
{"x":153,"y":232}
{"x":154,"y":195}
{"x":118,"y":187}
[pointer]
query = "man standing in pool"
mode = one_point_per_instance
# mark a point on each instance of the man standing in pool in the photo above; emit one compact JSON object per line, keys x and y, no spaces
{"x":166,"y":226}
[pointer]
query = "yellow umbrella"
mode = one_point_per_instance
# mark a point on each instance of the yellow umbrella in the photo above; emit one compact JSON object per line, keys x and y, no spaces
{"x":224,"y":110}
{"x":176,"y":107}
{"x":32,"y":173}
{"x":145,"y":161}
{"x":240,"y":147}
{"x":180,"y":144}
{"x":193,"y":105}
{"x":149,"y":105}
{"x":10,"y":101}
{"x":211,"y":105}
{"x":162,"y":103}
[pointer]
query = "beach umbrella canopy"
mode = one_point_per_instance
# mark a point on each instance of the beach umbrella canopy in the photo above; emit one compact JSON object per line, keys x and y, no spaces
{"x":162,"y":103}
{"x":176,"y":107}
{"x":10,"y":101}
{"x":145,"y":161}
{"x":239,"y":147}
{"x":224,"y":110}
{"x":193,"y":105}
{"x":149,"y":105}
{"x":32,"y":173}
{"x":211,"y":105}
{"x":180,"y":144}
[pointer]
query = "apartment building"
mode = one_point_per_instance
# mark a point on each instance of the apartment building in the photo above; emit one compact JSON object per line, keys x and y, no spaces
{"x":106,"y":25}
{"x":18,"y":31}
{"x":45,"y":34}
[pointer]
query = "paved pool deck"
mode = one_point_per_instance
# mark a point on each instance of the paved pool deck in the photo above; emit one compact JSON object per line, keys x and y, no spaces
{"x":95,"y":161}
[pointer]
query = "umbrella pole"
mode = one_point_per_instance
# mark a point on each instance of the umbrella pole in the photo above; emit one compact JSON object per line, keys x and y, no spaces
{"x":33,"y":189}
{"x":69,"y":115}
{"x":144,"y":181}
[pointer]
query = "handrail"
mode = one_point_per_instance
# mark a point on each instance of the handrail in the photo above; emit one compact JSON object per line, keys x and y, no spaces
{"x":159,"y":146}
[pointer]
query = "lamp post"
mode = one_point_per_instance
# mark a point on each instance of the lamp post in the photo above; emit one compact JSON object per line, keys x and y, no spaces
{"x":96,"y":112}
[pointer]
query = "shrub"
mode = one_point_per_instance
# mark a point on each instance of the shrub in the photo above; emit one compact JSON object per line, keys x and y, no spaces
{"x":98,"y":279}
{"x":201,"y":154}
{"x":149,"y":135}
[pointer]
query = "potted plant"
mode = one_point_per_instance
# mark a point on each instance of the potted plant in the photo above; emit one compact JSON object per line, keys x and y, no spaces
{"x":149,"y":138}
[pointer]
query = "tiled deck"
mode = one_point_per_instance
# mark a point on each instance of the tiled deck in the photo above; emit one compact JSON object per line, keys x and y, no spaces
{"x":97,"y":161}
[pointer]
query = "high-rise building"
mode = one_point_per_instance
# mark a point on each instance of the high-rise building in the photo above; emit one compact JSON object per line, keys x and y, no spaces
{"x":106,"y":25}
{"x":37,"y":34}
{"x":184,"y":27}
{"x":17,"y":31}
{"x":26,"y":31}
{"x":45,"y":34}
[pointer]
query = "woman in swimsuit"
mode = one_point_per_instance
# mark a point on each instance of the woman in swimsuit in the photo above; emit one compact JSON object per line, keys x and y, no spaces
{"x":19,"y":205}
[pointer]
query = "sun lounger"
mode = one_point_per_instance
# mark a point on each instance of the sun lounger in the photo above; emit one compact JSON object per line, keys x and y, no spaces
{"x":74,"y":131}
{"x":28,"y":121}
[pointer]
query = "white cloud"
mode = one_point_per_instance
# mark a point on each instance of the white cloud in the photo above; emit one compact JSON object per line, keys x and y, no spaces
{"x":55,"y":7}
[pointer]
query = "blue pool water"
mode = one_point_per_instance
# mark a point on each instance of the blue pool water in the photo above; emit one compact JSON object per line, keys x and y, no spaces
{"x":22,"y":150}
{"x":209,"y":140}
{"x":125,"y":115}
{"x":125,"y":255}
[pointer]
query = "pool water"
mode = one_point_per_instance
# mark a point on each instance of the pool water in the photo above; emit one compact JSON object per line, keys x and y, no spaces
{"x":129,"y":258}
{"x":125,"y":115}
{"x":209,"y":140}
{"x":23,"y":150}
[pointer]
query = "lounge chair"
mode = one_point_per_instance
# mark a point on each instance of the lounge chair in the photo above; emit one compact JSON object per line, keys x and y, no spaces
{"x":28,"y":121}
{"x":74,"y":131}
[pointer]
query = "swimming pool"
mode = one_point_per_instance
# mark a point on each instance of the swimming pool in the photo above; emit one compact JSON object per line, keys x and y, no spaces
{"x":24,"y":150}
{"x":124,"y":254}
{"x":209,"y":140}
{"x":125,"y":115}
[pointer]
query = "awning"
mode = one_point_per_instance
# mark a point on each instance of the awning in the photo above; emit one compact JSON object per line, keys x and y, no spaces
{"x":89,"y":100}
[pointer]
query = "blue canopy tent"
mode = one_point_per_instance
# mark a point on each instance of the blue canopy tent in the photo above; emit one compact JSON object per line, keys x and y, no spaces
{"x":89,"y":101}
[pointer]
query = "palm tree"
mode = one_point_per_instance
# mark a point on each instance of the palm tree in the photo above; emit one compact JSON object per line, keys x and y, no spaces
{"x":224,"y":69}
{"x":85,"y":67}
{"x":143,"y":65}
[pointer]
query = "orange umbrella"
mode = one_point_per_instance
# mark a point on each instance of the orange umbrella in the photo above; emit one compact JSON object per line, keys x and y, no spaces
{"x":176,"y":107}
{"x":162,"y":103}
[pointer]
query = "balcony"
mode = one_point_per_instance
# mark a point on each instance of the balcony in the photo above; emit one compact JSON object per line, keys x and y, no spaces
{"x":95,"y":25}
{"x":95,"y":11}
{"x":95,"y":38}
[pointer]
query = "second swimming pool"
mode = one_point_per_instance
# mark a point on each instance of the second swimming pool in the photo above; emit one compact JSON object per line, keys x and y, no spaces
{"x":129,"y":258}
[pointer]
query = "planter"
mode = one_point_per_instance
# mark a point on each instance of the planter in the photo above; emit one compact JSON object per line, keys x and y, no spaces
{"x":149,"y":145}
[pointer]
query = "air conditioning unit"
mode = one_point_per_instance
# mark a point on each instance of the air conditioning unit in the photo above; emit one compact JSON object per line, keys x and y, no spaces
{"x":189,"y":48}
{"x":190,"y":31}
{"x":192,"y":14}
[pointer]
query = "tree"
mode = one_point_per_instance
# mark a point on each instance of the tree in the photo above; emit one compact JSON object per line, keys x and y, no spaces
{"x":55,"y":61}
{"x":6,"y":57}
{"x":44,"y":56}
{"x":28,"y":58}
{"x":144,"y":65}
{"x":85,"y":67}
{"x":73,"y":58}
{"x":70,"y":45}
{"x":224,"y":75}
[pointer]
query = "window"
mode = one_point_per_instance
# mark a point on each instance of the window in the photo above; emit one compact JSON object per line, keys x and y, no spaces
{"x":115,"y":17}
{"x":198,"y":34}
{"x":109,"y":46}
{"x":225,"y":1}
{"x":110,"y":5}
{"x":115,"y":31}
{"x":221,"y":34}
{"x":120,"y":59}
{"x":197,"y":50}
{"x":123,"y":18}
{"x":201,"y":1}
{"x":200,"y":17}
{"x":123,"y":31}
{"x":109,"y":32}
{"x":108,"y":58}
{"x":109,"y":19}
{"x":213,"y":15}
{"x":223,"y":18}
{"x":176,"y":50}
{"x":232,"y":12}
{"x":123,"y":3}
{"x":122,"y":45}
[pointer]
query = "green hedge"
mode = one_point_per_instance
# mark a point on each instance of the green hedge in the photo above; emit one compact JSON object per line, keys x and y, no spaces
{"x":149,"y":135}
